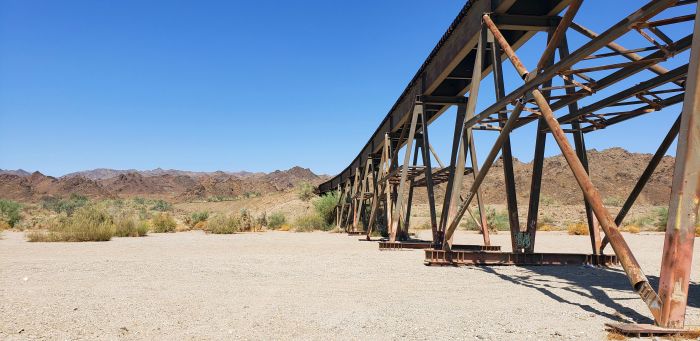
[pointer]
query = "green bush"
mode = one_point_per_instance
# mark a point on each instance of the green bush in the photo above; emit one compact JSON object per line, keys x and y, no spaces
{"x":10,"y":212}
{"x":276,"y":220}
{"x":86,"y":224}
{"x":661,"y":218}
{"x":130,"y":227}
{"x":198,"y":217}
{"x":310,"y":222}
{"x":305,"y":191}
{"x":162,"y":206}
{"x":325,"y":206}
{"x":222,"y":224}
{"x":67,"y":206}
{"x":496,"y":220}
{"x":163,"y":222}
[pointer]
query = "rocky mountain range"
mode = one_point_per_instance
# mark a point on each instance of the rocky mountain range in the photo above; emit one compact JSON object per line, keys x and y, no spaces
{"x":161,"y":184}
{"x":614,"y":172}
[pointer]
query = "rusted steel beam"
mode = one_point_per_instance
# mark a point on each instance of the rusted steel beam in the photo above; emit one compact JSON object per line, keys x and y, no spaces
{"x":614,"y":32}
{"x":425,"y":148}
{"x":559,"y":33}
{"x":425,"y":244}
{"x":580,"y":145}
{"x":455,"y":257}
{"x":634,"y":272}
{"x":536,"y":185}
{"x":683,"y":217}
{"x":506,"y":153}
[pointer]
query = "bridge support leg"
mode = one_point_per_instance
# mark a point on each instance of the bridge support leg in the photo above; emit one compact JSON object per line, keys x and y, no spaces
{"x":683,"y":217}
{"x":637,"y":278}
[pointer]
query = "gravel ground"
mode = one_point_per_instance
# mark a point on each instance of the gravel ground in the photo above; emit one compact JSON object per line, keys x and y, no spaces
{"x":313,"y":286}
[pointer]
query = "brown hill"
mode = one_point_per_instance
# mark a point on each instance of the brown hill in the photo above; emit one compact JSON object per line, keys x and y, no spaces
{"x":157,"y":184}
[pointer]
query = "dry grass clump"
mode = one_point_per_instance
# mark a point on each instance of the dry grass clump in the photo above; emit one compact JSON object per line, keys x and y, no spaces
{"x":86,"y":224}
{"x":162,"y":223}
{"x":577,"y":229}
{"x":130,"y":227}
{"x":630,"y":228}
{"x":222,"y":224}
{"x":697,"y":230}
{"x":546,"y":227}
{"x":310,"y":222}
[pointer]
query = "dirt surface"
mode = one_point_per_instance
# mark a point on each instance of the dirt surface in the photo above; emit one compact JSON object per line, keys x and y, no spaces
{"x":317,"y":286}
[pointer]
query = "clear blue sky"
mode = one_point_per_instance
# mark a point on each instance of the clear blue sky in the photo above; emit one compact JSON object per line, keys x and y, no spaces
{"x":224,"y":85}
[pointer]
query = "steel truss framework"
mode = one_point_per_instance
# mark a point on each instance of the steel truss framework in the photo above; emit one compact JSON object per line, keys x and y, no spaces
{"x":378,"y":187}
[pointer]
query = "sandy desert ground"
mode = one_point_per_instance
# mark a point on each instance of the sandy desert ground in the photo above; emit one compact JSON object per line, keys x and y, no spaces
{"x":311,"y":286}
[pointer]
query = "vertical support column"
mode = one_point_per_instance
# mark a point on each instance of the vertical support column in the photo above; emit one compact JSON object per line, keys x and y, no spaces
{"x":396,"y":226}
{"x":355,"y":199}
{"x":426,"y":148}
{"x":409,"y":199}
{"x":536,"y":184}
{"x":506,"y":154}
{"x":533,"y":209}
{"x":469,"y":140}
{"x":685,"y":200}
{"x":580,"y":146}
{"x":456,"y":159}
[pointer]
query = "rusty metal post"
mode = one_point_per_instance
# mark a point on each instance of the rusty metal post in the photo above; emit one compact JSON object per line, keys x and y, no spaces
{"x":506,"y":153}
{"x":637,"y":278}
{"x":683,"y":216}
{"x":580,"y":145}
{"x":396,"y":225}
{"x":427,"y":148}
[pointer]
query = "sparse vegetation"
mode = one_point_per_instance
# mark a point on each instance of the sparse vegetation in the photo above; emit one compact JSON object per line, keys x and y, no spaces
{"x":310,"y":222}
{"x":496,"y":220}
{"x":197,"y":218}
{"x":613,"y":201}
{"x":86,"y":224}
{"x":10,"y":214}
{"x":163,"y":222}
{"x":630,"y":228}
{"x":661,"y":218}
{"x":130,"y":227}
{"x":547,"y":201}
{"x":305,"y":191}
{"x":162,"y":206}
{"x":325,"y":206}
{"x":67,"y":206}
{"x":276,"y":220}
{"x":222,"y":224}
{"x":577,"y":229}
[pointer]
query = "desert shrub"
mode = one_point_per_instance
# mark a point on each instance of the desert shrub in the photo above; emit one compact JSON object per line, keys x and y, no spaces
{"x":630,"y":229}
{"x":577,"y":229}
{"x":276,"y":220}
{"x":661,"y":218}
{"x":613,"y":201}
{"x":86,"y":224}
{"x":67,"y":206}
{"x":222,"y":224}
{"x":249,"y":195}
{"x":305,"y":190}
{"x":202,"y":225}
{"x":697,"y":230}
{"x":220,"y":198}
{"x":162,"y":206}
{"x":261,"y":220}
{"x":198,"y":217}
{"x":10,"y":212}
{"x":163,"y":222}
{"x":325,"y":206}
{"x":310,"y":222}
{"x":496,"y":220}
{"x":139,"y":201}
{"x":546,"y":227}
{"x":125,"y":226}
{"x":641,"y":221}
{"x":247,"y":221}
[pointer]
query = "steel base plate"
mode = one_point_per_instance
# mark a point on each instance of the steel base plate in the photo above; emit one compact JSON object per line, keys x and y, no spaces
{"x":465,"y":258}
{"x":424,"y":244}
{"x":640,"y":330}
